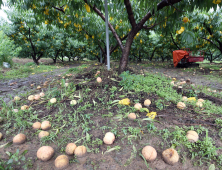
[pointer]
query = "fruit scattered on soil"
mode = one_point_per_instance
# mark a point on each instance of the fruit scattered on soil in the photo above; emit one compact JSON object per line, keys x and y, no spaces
{"x":70,"y":148}
{"x":53,"y":100}
{"x":199,"y":104}
{"x":147,"y":102}
{"x":42,"y":94}
{"x":46,"y":125}
{"x":131,"y":116}
{"x":38,"y":87}
{"x":170,"y":156}
{"x":37,"y":97}
{"x":109,"y":138}
{"x":192,"y":136}
{"x":99,"y":80}
{"x":138,"y":106}
{"x":73,"y":102}
{"x":62,"y":162}
{"x":24,"y":107}
{"x":200,"y":100}
{"x":19,"y":139}
{"x":181,"y":105}
{"x":80,"y":151}
{"x":16,"y":98}
{"x":36,"y":125}
{"x":45,"y":153}
{"x":184,"y":98}
{"x":43,"y":134}
{"x":31,"y":98}
{"x":149,"y":153}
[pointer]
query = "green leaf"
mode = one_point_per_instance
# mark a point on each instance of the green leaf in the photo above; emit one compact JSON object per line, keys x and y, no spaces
{"x":10,"y":161}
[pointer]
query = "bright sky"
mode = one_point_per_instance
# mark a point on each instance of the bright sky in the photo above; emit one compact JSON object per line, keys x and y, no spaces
{"x":3,"y":15}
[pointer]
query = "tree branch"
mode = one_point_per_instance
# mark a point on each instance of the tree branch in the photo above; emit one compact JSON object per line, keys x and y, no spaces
{"x":152,"y":26}
{"x":160,"y":6}
{"x":212,"y":43}
{"x":110,"y":26}
{"x":211,"y":33}
{"x":130,"y":13}
{"x":117,"y":45}
{"x":174,"y":42}
{"x":177,"y":9}
{"x":59,"y":9}
{"x":33,"y":48}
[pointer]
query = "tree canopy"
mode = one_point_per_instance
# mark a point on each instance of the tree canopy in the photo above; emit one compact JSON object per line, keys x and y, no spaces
{"x":130,"y":23}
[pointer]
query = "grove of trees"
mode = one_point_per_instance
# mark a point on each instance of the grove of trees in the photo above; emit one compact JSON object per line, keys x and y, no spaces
{"x":139,"y":29}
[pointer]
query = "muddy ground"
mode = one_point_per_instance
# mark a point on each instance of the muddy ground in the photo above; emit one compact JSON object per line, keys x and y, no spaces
{"x":22,"y":85}
{"x":18,"y":86}
{"x":116,"y":159}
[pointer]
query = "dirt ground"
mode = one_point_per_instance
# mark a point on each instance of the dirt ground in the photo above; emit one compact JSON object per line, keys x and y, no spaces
{"x":116,"y":160}
{"x":22,"y":85}
{"x":198,"y":76}
{"x":27,"y":60}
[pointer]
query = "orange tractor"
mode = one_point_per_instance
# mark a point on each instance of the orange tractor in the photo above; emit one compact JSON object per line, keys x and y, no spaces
{"x":185,"y":58}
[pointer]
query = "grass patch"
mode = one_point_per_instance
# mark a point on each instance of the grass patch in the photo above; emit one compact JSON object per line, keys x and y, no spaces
{"x":25,"y":70}
{"x":97,"y":111}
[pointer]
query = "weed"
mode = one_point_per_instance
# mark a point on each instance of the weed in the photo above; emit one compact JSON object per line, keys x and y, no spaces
{"x":14,"y":160}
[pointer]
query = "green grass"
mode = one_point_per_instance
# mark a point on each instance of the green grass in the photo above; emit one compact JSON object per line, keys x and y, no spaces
{"x":206,"y":61}
{"x":21,"y":71}
{"x":211,"y":66}
{"x":77,"y":124}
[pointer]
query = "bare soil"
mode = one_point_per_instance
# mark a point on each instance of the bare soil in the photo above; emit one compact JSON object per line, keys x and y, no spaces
{"x":197,"y":75}
{"x":169,"y":117}
{"x":27,"y":60}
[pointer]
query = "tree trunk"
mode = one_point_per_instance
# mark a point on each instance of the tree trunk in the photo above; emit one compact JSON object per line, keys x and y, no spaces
{"x":36,"y":61}
{"x":162,"y":57}
{"x":105,"y":59}
{"x":54,"y":60}
{"x":152,"y":54}
{"x":125,"y":53}
{"x":211,"y":58}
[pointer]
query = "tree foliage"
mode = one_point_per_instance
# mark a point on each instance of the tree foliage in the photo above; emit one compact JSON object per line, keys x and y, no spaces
{"x":128,"y":20}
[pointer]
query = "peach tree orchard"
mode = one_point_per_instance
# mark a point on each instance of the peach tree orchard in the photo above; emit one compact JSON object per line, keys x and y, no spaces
{"x":199,"y":30}
{"x":37,"y":41}
{"x":208,"y":29}
{"x":136,"y":13}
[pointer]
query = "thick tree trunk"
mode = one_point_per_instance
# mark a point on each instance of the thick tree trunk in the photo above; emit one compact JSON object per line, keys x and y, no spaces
{"x":36,"y":61}
{"x":35,"y":58}
{"x":125,"y":53}
{"x":135,"y":27}
{"x":54,"y":60}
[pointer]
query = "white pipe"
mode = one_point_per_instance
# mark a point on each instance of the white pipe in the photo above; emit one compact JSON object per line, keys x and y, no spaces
{"x":107,"y":36}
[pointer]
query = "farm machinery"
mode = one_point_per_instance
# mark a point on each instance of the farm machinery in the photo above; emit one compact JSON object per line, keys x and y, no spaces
{"x":186,"y":58}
